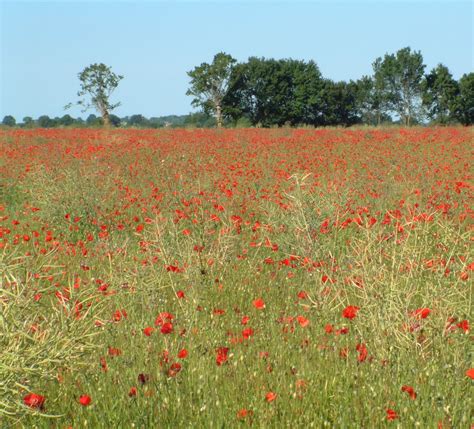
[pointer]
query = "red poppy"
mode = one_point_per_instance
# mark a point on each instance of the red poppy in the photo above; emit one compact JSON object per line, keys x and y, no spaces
{"x":132,"y":391}
{"x":167,"y":328}
{"x":182,"y":353}
{"x":247,"y":333}
{"x":162,"y":318}
{"x":244,"y":413}
{"x":245,"y":320}
{"x":222,"y":355}
{"x":259,"y":304}
{"x":350,"y":312}
{"x":174,"y":369}
{"x":421,"y":313}
{"x":362,"y":349}
{"x":270,"y":396}
{"x":391,"y":414}
{"x":85,"y":400}
{"x":411,"y":392}
{"x":180,"y":294}
{"x":148,"y":331}
{"x":113,"y":351}
{"x":303,"y":321}
{"x":302,"y":295}
{"x":470,"y":373}
{"x":34,"y":400}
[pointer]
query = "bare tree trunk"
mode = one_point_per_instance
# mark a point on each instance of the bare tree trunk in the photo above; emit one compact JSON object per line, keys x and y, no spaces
{"x":219,"y":115}
{"x":106,"y":119}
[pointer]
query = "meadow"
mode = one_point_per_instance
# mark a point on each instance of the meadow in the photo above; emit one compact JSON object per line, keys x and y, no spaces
{"x":236,"y":278}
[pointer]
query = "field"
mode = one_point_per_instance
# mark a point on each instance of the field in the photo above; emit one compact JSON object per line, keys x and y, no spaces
{"x":234,"y":278}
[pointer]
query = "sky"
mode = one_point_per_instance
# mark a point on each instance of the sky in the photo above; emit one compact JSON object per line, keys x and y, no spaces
{"x":44,"y":45}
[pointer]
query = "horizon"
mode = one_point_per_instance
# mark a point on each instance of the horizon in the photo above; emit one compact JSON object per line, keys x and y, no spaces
{"x":155,"y":44}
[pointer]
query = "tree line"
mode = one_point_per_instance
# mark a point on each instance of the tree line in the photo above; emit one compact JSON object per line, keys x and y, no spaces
{"x":287,"y":92}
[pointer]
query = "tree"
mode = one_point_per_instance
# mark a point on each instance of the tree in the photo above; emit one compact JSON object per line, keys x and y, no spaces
{"x":339,"y":103}
{"x":98,"y":82}
{"x":137,"y":121}
{"x":66,"y":120}
{"x":45,"y":121}
{"x":9,"y":121}
{"x":275,"y":92}
{"x":115,"y":120}
{"x":209,"y":84}
{"x":28,"y":122}
{"x":465,"y":102}
{"x":398,"y":80}
{"x":440,"y":92}
{"x":93,"y":121}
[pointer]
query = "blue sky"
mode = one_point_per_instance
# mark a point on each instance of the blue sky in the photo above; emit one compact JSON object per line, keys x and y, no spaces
{"x":44,"y":45}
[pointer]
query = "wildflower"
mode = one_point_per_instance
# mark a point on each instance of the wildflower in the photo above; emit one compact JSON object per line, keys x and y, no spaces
{"x":182,"y":353}
{"x":350,"y":312}
{"x":148,"y":331}
{"x":270,"y":396}
{"x":85,"y":400}
{"x":391,"y":414}
{"x":411,"y":392}
{"x":34,"y":400}
{"x":259,"y":304}
{"x":221,"y":355}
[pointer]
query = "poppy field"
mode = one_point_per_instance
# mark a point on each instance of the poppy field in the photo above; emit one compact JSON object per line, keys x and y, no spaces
{"x":236,"y":278}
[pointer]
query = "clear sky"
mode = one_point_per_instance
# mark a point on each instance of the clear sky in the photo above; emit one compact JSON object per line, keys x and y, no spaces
{"x":44,"y":45}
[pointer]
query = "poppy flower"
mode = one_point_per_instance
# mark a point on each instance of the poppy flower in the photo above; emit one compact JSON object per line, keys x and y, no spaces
{"x":470,"y":373}
{"x":244,"y":413}
{"x":221,"y":355}
{"x":34,"y":400}
{"x":182,"y":353}
{"x":247,"y":333}
{"x":245,"y":320}
{"x":350,"y":312}
{"x":421,"y":313}
{"x":270,"y":396}
{"x":85,"y":400}
{"x":162,"y":318}
{"x":328,"y":328}
{"x":148,"y":331}
{"x":167,"y":328}
{"x":391,"y":414}
{"x":132,"y":391}
{"x":362,"y":349}
{"x":174,"y":369}
{"x":411,"y":392}
{"x":303,"y":321}
{"x":259,"y":304}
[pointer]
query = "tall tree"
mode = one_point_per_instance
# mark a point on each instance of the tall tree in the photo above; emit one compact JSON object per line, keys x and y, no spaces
{"x":465,"y":101}
{"x":440,"y":92}
{"x":275,"y":92}
{"x":209,"y":84}
{"x":339,"y":103}
{"x":398,"y":78}
{"x":98,"y":82}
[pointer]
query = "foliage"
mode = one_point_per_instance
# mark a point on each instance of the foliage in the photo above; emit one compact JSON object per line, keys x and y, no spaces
{"x":98,"y":82}
{"x":465,"y":101}
{"x":209,"y":84}
{"x":440,"y":92}
{"x":9,"y":121}
{"x":398,"y":79}
{"x":275,"y":92}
